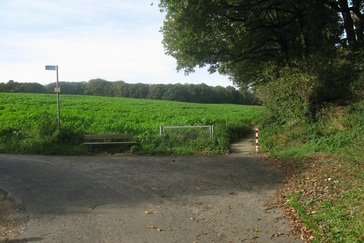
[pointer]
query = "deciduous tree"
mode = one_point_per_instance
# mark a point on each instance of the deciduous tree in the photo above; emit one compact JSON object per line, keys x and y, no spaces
{"x":237,"y":37}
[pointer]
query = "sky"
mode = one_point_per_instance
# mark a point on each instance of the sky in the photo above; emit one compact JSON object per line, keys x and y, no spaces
{"x":109,"y":39}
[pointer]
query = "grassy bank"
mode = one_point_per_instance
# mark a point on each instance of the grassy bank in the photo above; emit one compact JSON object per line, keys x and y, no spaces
{"x":324,"y":193}
{"x":28,"y":124}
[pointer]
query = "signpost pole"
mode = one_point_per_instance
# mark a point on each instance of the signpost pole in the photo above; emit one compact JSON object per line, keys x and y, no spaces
{"x":59,"y":116}
{"x":57,"y":89}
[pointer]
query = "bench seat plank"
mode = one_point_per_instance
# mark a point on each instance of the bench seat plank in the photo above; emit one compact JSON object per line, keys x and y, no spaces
{"x":101,"y":137}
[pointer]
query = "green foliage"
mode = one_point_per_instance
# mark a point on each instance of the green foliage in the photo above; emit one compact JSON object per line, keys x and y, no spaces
{"x":15,"y":87}
{"x":76,"y":88}
{"x":332,"y":132}
{"x":293,"y":201}
{"x":237,"y":37}
{"x":47,"y":124}
{"x":340,"y":219}
{"x":9,"y":139}
{"x":296,"y":98}
{"x":287,"y":93}
{"x":29,"y":126}
{"x":329,"y":191}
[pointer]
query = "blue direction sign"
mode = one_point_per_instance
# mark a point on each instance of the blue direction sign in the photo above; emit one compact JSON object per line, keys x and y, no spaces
{"x":50,"y":67}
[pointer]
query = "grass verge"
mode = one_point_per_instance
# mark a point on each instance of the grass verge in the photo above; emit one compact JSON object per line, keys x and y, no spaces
{"x":324,"y":198}
{"x":323,"y":195}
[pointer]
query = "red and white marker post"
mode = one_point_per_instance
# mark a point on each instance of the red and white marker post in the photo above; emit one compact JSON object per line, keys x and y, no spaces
{"x":256,"y":140}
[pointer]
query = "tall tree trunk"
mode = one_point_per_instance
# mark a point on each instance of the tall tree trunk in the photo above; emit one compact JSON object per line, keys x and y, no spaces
{"x":348,"y":23}
{"x":358,"y":21}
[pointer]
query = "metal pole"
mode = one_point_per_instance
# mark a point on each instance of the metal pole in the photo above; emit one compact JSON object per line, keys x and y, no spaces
{"x":59,"y":116}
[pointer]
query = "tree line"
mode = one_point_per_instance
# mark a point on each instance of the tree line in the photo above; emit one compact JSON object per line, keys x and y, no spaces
{"x":195,"y":93}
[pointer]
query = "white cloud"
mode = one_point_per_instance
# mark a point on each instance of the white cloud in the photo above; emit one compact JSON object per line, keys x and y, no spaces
{"x":111,"y":39}
{"x":80,"y":59}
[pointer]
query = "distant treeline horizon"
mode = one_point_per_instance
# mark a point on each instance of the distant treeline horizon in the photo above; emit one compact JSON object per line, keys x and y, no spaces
{"x":194,"y":93}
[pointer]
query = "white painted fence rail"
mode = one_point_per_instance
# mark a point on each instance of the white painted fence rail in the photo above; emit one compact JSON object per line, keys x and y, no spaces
{"x":163,"y":129}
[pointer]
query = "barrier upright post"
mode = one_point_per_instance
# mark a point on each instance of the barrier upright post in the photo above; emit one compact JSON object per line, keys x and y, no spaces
{"x":256,"y":140}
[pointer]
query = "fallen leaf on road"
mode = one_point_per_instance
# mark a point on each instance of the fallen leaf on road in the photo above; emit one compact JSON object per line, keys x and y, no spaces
{"x":147,"y":212}
{"x":151,"y":226}
{"x":277,"y":235}
{"x":197,"y":202}
{"x":255,"y":229}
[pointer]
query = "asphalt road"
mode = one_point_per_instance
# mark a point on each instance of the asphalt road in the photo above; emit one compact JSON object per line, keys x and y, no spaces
{"x":145,"y":199}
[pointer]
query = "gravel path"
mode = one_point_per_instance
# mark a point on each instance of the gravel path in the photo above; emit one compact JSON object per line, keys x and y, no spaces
{"x":146,"y":199}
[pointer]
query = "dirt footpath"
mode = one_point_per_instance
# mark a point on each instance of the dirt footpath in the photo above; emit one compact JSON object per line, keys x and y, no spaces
{"x":145,"y":199}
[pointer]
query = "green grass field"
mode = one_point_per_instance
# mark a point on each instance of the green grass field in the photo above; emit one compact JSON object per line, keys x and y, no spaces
{"x":28,"y":124}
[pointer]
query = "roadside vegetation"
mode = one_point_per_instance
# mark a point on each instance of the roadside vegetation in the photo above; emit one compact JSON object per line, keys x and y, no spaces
{"x":324,"y":192}
{"x":28,"y":124}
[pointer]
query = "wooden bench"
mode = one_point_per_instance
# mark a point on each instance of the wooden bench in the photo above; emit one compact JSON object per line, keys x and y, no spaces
{"x":108,"y":139}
